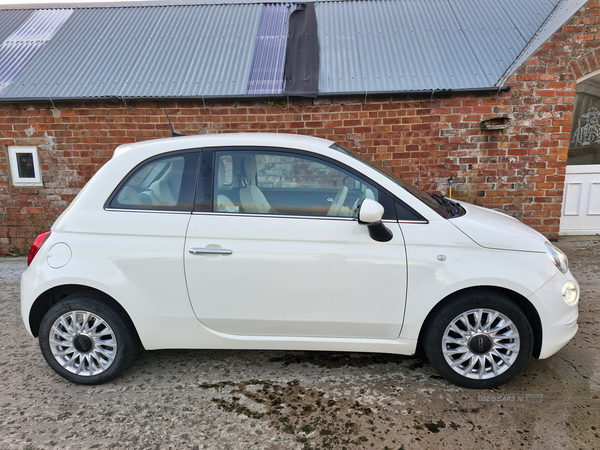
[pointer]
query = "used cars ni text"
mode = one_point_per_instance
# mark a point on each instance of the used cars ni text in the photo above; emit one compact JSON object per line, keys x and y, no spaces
{"x":273,"y":241}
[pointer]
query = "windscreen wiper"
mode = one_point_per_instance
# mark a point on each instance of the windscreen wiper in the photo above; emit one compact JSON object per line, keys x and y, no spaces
{"x":452,"y":207}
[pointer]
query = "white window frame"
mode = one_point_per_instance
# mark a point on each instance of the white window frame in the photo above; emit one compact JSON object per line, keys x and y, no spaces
{"x":13,"y":166}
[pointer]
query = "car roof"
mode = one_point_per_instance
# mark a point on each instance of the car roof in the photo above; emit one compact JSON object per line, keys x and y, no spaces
{"x":224,"y":139}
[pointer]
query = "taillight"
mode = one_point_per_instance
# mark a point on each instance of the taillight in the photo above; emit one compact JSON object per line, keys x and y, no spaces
{"x":37,"y":244}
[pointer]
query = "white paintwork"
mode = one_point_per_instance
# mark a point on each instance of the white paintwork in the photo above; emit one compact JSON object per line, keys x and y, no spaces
{"x":289,"y":283}
{"x":370,"y":211}
{"x":581,"y":201}
{"x":315,"y":277}
{"x":493,"y":229}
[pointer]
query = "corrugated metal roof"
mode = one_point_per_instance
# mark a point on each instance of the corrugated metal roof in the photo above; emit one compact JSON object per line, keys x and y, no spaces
{"x":207,"y":50}
{"x":493,"y":34}
{"x":146,"y":52}
{"x":25,"y":42}
{"x":10,"y":20}
{"x":417,"y":45}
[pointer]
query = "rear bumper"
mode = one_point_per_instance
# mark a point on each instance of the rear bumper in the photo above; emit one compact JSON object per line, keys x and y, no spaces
{"x":32,"y":286}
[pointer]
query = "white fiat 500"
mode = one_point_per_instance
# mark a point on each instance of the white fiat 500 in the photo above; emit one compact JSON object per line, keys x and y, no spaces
{"x":270,"y":241}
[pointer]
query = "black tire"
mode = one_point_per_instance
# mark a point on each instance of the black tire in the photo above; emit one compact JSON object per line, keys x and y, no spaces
{"x":478,"y":357}
{"x":87,"y":341}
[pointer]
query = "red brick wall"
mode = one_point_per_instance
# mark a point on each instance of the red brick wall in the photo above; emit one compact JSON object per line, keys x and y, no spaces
{"x":519,"y":170}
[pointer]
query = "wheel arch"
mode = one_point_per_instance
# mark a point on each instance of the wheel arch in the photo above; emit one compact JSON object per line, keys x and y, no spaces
{"x":522,"y":302}
{"x":52,"y":296}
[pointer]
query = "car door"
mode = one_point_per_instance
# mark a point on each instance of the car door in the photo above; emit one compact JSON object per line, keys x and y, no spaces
{"x":278,"y":250}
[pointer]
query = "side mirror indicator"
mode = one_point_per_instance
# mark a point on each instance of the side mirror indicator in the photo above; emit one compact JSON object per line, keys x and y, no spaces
{"x":370,"y":213}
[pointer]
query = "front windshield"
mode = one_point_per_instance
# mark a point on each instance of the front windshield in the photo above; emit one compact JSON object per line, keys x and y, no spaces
{"x":386,"y":172}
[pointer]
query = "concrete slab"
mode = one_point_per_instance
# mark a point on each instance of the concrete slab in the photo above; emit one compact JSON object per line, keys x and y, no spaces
{"x":300,"y":400}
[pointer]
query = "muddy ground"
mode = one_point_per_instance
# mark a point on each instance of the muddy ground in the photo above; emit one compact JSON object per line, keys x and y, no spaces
{"x":300,"y":400}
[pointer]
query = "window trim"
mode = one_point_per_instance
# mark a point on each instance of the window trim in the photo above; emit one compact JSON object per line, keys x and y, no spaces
{"x":13,"y":166}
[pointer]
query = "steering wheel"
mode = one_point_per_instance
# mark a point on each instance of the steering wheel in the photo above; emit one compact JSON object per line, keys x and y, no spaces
{"x":338,"y":202}
{"x":357,"y":204}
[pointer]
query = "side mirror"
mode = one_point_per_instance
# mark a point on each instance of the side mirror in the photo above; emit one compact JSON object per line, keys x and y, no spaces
{"x":370,"y":213}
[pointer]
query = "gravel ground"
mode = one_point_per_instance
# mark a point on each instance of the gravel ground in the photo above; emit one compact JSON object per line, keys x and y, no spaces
{"x":300,"y":400}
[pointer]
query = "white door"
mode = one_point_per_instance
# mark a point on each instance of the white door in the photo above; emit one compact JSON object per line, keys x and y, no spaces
{"x":581,"y":201}
{"x":282,"y":254}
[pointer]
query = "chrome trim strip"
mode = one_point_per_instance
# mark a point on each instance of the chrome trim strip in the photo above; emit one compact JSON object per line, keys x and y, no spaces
{"x":280,"y":216}
{"x":210,"y":251}
{"x":148,"y":211}
{"x":421,"y":222}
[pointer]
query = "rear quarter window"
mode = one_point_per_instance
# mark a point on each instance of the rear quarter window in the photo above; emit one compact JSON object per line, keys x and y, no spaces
{"x":161,"y":184}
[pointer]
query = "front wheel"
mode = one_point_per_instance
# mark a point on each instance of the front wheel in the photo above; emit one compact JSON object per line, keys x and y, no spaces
{"x":479,"y":340}
{"x":87,"y":341}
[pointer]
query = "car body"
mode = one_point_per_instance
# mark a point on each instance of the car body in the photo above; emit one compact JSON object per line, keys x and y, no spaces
{"x":274,"y":241}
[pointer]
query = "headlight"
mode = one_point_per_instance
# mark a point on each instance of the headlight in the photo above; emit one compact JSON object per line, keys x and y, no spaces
{"x":558,"y":257}
{"x":569,"y":293}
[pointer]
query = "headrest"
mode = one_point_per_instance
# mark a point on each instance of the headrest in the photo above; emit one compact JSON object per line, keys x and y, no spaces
{"x":163,"y":193}
{"x":250,"y":168}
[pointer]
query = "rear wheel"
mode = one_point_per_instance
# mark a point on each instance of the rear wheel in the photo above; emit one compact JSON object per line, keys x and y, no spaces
{"x":479,"y":340}
{"x":87,"y":341}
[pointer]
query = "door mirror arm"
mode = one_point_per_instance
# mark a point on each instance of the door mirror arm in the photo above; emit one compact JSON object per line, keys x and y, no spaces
{"x":370,"y":214}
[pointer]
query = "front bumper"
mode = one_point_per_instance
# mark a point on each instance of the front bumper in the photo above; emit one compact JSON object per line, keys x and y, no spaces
{"x":559,"y":320}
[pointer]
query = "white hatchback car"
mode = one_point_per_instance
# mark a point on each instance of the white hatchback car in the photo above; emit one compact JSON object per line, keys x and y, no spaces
{"x":271,"y":241}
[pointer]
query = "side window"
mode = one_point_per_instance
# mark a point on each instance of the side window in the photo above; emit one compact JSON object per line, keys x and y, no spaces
{"x":267,"y":182}
{"x":163,"y":184}
{"x":24,"y":165}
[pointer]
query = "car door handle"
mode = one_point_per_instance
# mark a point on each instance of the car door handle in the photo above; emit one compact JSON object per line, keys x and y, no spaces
{"x":210,"y":251}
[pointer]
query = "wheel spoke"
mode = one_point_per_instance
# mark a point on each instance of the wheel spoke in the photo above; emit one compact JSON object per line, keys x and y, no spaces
{"x":464,"y":334}
{"x":450,"y":340}
{"x":63,"y":353}
{"x":512,"y":347}
{"x":469,"y":369}
{"x":455,"y":353}
{"x":511,"y":334}
{"x":66,"y":325}
{"x":75,"y":321}
{"x":491,"y":319}
{"x":502,"y":325}
{"x":458,"y":362}
{"x":478,"y":317}
{"x":482,"y":372}
{"x":501,"y":356}
{"x":92,"y":330}
{"x":62,"y":334}
{"x":108,"y":355}
{"x":105,"y":343}
{"x":467,"y":324}
{"x":71,"y":362}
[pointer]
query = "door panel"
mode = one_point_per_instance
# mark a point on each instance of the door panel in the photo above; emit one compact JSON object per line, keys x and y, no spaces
{"x":581,"y":201}
{"x":305,"y":277}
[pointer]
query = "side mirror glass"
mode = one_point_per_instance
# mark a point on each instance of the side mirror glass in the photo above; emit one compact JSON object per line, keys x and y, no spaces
{"x":370,"y":213}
